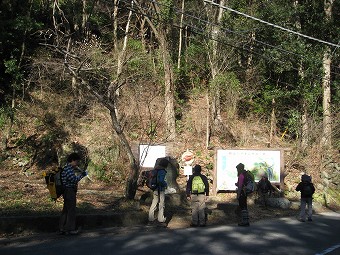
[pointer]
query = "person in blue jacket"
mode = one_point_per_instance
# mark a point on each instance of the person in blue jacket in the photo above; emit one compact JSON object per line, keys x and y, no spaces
{"x":159,"y":193}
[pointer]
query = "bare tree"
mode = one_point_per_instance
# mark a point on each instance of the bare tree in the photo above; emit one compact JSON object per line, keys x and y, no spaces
{"x":218,"y":64}
{"x":93,"y":75}
{"x":326,"y":85}
{"x":169,"y":87}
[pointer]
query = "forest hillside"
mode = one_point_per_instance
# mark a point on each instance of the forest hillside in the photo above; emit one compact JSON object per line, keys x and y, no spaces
{"x":102,"y":77}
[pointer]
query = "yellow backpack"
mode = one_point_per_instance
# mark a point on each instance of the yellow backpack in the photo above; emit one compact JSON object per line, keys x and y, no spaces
{"x":197,"y":185}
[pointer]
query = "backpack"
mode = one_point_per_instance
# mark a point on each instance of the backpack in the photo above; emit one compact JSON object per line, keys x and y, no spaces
{"x":151,"y":179}
{"x":249,"y":182}
{"x":197,"y":185}
{"x":54,"y":183}
{"x":307,"y":189}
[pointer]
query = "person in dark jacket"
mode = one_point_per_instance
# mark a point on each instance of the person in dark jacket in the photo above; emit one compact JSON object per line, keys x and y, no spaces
{"x":264,"y":190}
{"x":307,"y":190}
{"x":197,"y":191}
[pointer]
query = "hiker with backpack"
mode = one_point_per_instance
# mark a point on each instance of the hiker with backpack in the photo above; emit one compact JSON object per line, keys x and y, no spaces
{"x":264,"y":190}
{"x":197,"y":191}
{"x":67,"y":223}
{"x":307,"y":190}
{"x":242,"y":193}
{"x":158,"y":189}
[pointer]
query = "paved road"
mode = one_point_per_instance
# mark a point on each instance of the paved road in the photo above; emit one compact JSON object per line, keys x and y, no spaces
{"x":279,"y":236}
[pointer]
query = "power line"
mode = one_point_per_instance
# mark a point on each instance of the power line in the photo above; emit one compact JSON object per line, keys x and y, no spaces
{"x":234,"y":32}
{"x":271,"y":24}
{"x":201,"y":32}
{"x":178,"y":11}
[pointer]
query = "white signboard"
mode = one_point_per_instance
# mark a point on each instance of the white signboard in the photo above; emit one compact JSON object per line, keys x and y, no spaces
{"x":257,"y":161}
{"x":149,"y":154}
{"x":187,"y":170}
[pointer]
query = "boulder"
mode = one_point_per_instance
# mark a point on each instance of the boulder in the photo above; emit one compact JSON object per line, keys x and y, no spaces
{"x":279,"y":202}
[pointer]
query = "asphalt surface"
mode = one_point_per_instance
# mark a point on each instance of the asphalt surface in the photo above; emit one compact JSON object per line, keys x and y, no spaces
{"x":277,"y":236}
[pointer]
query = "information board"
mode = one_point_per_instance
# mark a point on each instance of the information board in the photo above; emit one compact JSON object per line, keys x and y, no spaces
{"x":257,"y":161}
{"x":148,"y":154}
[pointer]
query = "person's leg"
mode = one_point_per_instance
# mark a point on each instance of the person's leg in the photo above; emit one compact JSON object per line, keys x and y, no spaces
{"x":265,"y":199}
{"x":310,"y":208}
{"x":161,"y":207}
{"x":63,"y":217}
{"x":244,"y":210}
{"x":303,"y":209}
{"x":194,"y":210}
{"x":201,"y":210}
{"x":153,"y":206}
{"x":70,"y":202}
{"x":262,"y":202}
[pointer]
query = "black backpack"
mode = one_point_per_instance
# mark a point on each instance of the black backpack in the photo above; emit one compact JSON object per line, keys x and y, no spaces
{"x":307,"y":189}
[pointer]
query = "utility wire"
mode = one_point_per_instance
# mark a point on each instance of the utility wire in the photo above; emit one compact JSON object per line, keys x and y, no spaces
{"x":237,"y":33}
{"x":202,"y":32}
{"x":271,"y":24}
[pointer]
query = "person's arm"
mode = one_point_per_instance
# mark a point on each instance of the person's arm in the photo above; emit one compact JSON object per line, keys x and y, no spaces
{"x":189,"y":185}
{"x":313,"y":188}
{"x":70,"y":177}
{"x":240,"y":184}
{"x":161,"y":176}
{"x":206,"y":184}
{"x":298,"y":187}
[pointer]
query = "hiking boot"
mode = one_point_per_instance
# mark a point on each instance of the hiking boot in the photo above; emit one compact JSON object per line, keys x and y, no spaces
{"x":74,"y":232}
{"x":302,"y":220}
{"x":203,"y":225}
{"x":243,"y":224}
{"x":310,"y":219}
{"x":162,"y":224}
{"x":193,"y":225}
{"x":151,"y":223}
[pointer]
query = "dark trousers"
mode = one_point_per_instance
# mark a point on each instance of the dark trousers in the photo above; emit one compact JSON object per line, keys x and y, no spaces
{"x":242,"y":201}
{"x":68,"y":215}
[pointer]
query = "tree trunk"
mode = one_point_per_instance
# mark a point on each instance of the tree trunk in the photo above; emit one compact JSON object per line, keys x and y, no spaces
{"x":160,"y":35}
{"x":215,"y":104}
{"x":115,"y":23}
{"x":326,"y":140}
{"x":180,"y":37}
{"x":326,"y":103}
{"x":169,"y":89}
{"x":272,"y":125}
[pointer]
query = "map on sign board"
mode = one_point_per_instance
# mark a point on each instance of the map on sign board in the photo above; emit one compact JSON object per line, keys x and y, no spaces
{"x":148,"y":154}
{"x":259,"y":162}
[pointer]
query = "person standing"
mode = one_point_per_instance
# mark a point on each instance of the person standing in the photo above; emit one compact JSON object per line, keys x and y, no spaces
{"x":264,"y":190}
{"x":242,"y":195}
{"x":159,"y":193}
{"x":67,"y":223}
{"x":197,"y":191}
{"x":307,"y":190}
